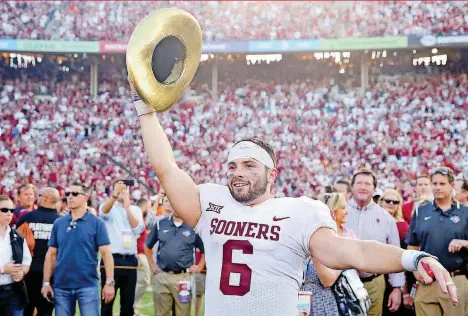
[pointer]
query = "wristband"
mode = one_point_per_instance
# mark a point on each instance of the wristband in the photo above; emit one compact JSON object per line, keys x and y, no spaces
{"x":115,"y":197}
{"x":45,"y":284}
{"x":140,"y":106}
{"x":410,"y":259}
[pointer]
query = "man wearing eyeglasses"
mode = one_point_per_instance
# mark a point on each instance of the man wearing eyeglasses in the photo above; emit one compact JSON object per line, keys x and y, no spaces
{"x":124,"y":222}
{"x":370,"y":221}
{"x":72,"y":257}
{"x":441,"y":229}
{"x":36,"y":227}
{"x":15,"y":260}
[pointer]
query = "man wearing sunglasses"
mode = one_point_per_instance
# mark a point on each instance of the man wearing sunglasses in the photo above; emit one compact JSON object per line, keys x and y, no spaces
{"x":72,"y":257}
{"x":36,"y":228}
{"x":441,"y":229}
{"x":15,"y":260}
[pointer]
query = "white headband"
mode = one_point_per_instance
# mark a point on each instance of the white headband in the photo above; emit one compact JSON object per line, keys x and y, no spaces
{"x":247,"y":149}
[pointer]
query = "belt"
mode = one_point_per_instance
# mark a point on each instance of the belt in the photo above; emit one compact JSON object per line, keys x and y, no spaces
{"x":6,"y":287}
{"x":175,"y":272}
{"x":370,"y":278}
{"x":456,"y":273}
{"x":127,"y":256}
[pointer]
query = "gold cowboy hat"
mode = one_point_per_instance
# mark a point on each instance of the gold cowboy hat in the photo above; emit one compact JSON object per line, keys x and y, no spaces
{"x":163,"y":55}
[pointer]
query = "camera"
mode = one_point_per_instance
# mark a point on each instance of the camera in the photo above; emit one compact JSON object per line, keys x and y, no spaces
{"x":129,"y":183}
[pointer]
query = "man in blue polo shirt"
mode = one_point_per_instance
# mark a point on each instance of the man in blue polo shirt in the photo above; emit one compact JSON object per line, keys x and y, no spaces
{"x":73,"y":258}
{"x":175,"y":262}
{"x":441,"y":229}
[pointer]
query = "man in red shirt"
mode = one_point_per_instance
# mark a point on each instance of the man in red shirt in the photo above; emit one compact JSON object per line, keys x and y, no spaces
{"x":423,"y":194}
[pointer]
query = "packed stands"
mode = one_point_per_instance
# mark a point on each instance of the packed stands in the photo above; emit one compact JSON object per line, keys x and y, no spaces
{"x":235,"y":20}
{"x":53,"y":132}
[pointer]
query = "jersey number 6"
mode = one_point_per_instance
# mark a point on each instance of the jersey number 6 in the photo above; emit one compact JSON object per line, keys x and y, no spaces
{"x":245,"y":273}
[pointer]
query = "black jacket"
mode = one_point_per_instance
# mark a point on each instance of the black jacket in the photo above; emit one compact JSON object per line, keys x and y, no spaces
{"x":16,"y":241}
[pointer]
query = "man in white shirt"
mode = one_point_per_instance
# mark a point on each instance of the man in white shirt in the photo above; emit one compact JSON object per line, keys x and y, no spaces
{"x":256,"y":246}
{"x":124,"y":223}
{"x":15,"y":260}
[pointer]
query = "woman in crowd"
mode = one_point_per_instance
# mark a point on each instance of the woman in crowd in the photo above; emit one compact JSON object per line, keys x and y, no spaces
{"x":392,"y":202}
{"x":318,"y":278}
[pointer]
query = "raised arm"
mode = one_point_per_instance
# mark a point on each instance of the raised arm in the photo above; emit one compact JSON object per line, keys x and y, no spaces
{"x":341,"y":253}
{"x":178,"y":185}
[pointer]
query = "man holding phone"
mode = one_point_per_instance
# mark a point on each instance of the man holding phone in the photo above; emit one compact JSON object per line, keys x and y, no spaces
{"x":124,"y":224}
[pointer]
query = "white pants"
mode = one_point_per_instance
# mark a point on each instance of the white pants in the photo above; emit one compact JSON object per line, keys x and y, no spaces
{"x":143,"y":280}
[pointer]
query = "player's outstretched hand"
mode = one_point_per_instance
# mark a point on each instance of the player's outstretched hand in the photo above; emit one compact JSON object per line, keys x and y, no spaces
{"x":441,"y":275}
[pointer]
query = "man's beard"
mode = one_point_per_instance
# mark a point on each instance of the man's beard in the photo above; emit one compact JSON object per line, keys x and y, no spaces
{"x":258,"y":188}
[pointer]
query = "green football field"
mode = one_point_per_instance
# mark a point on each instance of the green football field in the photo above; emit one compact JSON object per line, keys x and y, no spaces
{"x":147,"y":306}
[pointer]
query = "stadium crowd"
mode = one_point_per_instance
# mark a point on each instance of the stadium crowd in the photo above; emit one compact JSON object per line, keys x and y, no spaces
{"x":53,"y":132}
{"x":232,"y":20}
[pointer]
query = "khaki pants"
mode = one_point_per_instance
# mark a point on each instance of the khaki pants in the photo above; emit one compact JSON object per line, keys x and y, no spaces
{"x":143,"y":281}
{"x":430,"y":301}
{"x":376,"y":290}
{"x":166,"y":291}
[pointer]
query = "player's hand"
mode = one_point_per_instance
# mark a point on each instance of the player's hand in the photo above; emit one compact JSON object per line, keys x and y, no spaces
{"x":418,"y":277}
{"x":441,"y":275}
{"x":46,"y":290}
{"x":408,"y":301}
{"x":108,"y":293}
{"x":195,"y":269}
{"x":394,"y":300}
{"x":456,"y":245}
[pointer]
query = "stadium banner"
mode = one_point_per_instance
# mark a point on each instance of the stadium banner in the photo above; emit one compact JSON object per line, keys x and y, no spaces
{"x":283,"y":46}
{"x":8,"y":45}
{"x":57,"y":46}
{"x":208,"y":47}
{"x":112,"y":47}
{"x":432,"y":40}
{"x":225,"y":47}
{"x":357,"y":43}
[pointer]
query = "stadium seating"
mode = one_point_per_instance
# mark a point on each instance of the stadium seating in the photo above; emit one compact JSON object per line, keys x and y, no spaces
{"x":230,"y":20}
{"x":52,"y":132}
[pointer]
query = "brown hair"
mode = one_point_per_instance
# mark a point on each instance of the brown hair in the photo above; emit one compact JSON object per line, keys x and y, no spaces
{"x":86,"y":190}
{"x":366,"y":172}
{"x":25,"y":186}
{"x":464,"y":185}
{"x":346,"y":183}
{"x":445,"y":171}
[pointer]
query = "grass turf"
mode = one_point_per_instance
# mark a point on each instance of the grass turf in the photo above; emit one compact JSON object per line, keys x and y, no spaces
{"x":147,"y":307}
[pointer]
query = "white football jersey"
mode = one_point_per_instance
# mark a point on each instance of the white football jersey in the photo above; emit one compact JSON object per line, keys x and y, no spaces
{"x":255,"y":255}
